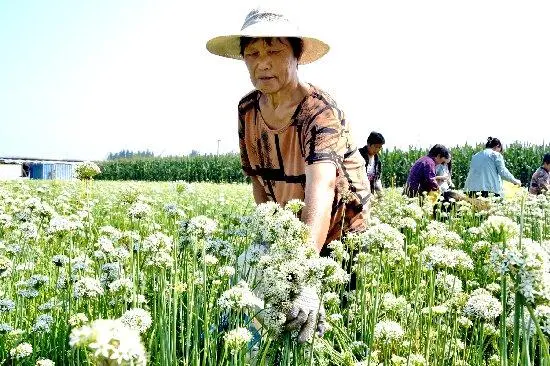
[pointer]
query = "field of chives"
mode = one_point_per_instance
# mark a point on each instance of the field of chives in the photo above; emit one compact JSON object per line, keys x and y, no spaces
{"x":135,"y":273}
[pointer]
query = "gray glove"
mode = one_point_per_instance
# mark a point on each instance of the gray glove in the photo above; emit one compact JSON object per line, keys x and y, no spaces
{"x":247,"y":261}
{"x":306,"y":314}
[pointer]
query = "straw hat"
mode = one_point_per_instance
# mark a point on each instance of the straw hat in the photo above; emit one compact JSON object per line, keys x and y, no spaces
{"x":266,"y":23}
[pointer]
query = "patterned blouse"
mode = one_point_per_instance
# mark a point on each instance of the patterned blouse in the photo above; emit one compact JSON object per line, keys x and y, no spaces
{"x":317,"y":132}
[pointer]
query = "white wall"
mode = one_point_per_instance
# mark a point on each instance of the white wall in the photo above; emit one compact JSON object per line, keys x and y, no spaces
{"x":10,"y":171}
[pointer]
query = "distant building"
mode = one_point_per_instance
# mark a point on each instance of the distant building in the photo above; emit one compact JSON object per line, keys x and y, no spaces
{"x":33,"y":168}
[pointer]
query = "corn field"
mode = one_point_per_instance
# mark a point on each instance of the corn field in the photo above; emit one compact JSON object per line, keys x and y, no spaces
{"x":521,"y":159}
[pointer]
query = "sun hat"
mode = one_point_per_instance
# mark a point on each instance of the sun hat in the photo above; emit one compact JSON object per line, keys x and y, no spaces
{"x":267,"y":23}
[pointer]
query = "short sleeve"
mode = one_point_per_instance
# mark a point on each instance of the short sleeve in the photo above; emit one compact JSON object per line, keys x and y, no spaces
{"x":245,"y":162}
{"x":324,"y":138}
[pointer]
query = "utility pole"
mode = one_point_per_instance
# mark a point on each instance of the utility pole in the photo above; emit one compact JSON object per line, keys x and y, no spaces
{"x":218,"y":151}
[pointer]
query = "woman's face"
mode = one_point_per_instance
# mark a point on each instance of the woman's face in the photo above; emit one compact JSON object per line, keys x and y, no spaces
{"x":271,"y":64}
{"x":442,"y":160}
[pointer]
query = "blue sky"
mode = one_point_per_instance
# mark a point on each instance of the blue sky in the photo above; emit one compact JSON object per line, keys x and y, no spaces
{"x":82,"y":79}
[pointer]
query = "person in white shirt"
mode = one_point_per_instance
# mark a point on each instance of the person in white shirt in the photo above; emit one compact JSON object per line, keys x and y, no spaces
{"x":370,"y":152}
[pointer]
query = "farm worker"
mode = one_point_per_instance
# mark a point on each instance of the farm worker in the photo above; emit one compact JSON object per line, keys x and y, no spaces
{"x":443,"y":176}
{"x":422,"y":176}
{"x":294,"y":140}
{"x":487,"y":170}
{"x":540,"y":181}
{"x":370,"y":152}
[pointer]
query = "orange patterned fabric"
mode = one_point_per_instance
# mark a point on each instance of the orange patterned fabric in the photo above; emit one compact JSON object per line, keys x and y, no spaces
{"x":317,"y":132}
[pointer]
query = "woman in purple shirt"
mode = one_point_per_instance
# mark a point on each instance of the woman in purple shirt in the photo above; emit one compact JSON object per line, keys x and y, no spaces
{"x":422,"y":174}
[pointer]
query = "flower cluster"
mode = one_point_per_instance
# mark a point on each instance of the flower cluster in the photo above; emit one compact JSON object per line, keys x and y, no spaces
{"x":236,"y":339}
{"x":110,"y":341}
{"x":87,"y":170}
{"x":527,"y":261}
{"x":482,"y":305}
{"x":435,"y":257}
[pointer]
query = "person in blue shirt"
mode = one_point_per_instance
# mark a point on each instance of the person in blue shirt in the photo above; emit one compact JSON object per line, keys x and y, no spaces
{"x":487,"y":170}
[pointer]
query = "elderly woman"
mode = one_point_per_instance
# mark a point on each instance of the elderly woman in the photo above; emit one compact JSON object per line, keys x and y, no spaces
{"x":295,"y":142}
{"x":487,"y":170}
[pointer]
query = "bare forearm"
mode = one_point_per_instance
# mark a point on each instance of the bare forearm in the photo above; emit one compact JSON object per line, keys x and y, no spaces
{"x":319,"y":196}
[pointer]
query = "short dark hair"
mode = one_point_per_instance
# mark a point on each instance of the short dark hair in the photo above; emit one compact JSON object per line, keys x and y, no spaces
{"x":296,"y":44}
{"x":439,"y":150}
{"x":493,"y":142}
{"x":375,"y":138}
{"x":546,"y":158}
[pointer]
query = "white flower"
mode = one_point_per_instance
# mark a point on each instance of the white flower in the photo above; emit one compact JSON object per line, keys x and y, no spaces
{"x":121,"y":285}
{"x":37,"y":281}
{"x":210,"y":260}
{"x":383,"y":237}
{"x":337,"y":251}
{"x":219,"y":247}
{"x":44,"y":362}
{"x":464,"y":322}
{"x":87,"y":287}
{"x":139,"y":210}
{"x":391,"y":303}
{"x":172,"y":210}
{"x":6,"y":305}
{"x":105,"y":245}
{"x":86,"y":170}
{"x":201,"y":226}
{"x":60,"y":260}
{"x":21,"y":351}
{"x":482,"y":305}
{"x":417,"y":360}
{"x":81,"y":263}
{"x":406,"y":223}
{"x":137,"y":319}
{"x":108,"y":341}
{"x":436,"y":310}
{"x":157,"y":242}
{"x":238,"y":297}
{"x":331,"y":299}
{"x":526,"y":326}
{"x":60,"y":225}
{"x":226,"y":271}
{"x":327,"y":272}
{"x":498,"y":228}
{"x":435,"y":256}
{"x":111,"y":232}
{"x":78,"y":319}
{"x":448,"y":283}
{"x":28,"y":293}
{"x":437,"y":233}
{"x":121,"y":253}
{"x":5,"y":328}
{"x":49,"y":305}
{"x":43,"y":323}
{"x":5,"y":264}
{"x":529,"y":263}
{"x":388,"y":331}
{"x":236,"y":339}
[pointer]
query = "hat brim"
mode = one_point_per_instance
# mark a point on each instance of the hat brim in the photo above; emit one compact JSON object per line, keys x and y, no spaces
{"x":230,"y":46}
